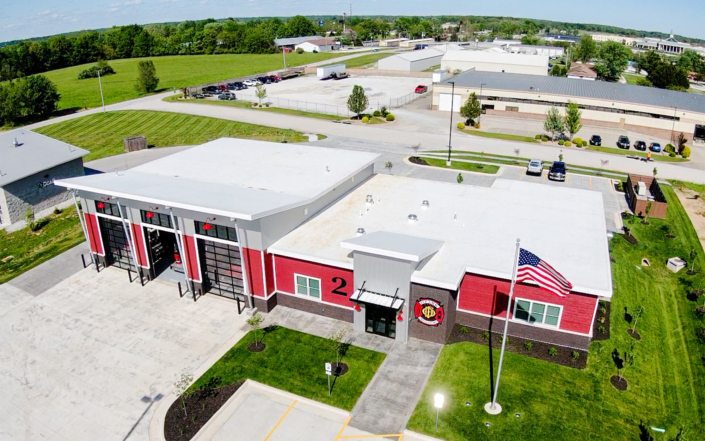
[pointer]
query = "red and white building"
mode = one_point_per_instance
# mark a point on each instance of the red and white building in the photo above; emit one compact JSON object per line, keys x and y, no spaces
{"x":314,"y":229}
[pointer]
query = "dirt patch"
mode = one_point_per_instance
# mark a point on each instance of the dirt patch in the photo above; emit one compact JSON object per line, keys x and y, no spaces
{"x":256,"y":347}
{"x":601,"y":325}
{"x":535,"y":349}
{"x":340,"y":369}
{"x":417,"y":160}
{"x":618,"y":383}
{"x":200,"y":407}
{"x":635,"y":335}
{"x":695,"y":209}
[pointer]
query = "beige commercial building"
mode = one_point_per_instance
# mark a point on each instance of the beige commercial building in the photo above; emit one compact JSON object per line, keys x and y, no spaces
{"x":602,"y":38}
{"x":487,"y":61}
{"x":647,"y":110}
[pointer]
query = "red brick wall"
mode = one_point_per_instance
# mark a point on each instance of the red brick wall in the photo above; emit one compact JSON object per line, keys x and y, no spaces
{"x":191,"y":258}
{"x":253,"y":265}
{"x":94,"y":233}
{"x":489,"y":296}
{"x":286,"y":268}
{"x":138,"y":239}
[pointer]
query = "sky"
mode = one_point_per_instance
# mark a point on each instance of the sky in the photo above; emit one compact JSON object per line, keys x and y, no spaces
{"x":36,"y":18}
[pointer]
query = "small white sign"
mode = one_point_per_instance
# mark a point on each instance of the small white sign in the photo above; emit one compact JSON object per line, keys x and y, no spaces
{"x":329,"y":369}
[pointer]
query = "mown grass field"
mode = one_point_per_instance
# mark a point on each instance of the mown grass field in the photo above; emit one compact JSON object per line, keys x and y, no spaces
{"x":102,"y":133}
{"x":173,"y":71}
{"x":666,"y":383}
{"x":294,"y":361}
{"x":28,"y":249}
{"x":365,"y":60}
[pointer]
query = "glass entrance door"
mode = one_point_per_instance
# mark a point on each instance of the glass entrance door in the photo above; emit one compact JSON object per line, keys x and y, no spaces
{"x":380,"y":321}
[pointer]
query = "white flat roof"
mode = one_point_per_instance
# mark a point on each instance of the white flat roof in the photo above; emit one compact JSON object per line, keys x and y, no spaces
{"x":398,"y":246}
{"x":34,"y":153}
{"x":497,"y":57}
{"x":239,"y":178}
{"x":478,"y":227}
{"x":419,"y":55}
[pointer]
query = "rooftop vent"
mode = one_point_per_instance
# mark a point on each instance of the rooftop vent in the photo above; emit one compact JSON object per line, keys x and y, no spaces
{"x":360,"y":231}
{"x":15,"y":143}
{"x":413,"y":218}
{"x":424,"y":204}
{"x":369,"y":199}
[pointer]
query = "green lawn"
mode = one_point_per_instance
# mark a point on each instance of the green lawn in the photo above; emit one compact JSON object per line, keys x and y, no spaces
{"x":365,"y":60}
{"x":499,"y":136}
{"x":31,"y":248}
{"x":173,"y":71}
{"x":631,"y":78}
{"x":248,"y":105}
{"x":616,"y":151}
{"x":102,"y":133}
{"x":463,"y":166}
{"x":294,"y":362}
{"x":666,"y":383}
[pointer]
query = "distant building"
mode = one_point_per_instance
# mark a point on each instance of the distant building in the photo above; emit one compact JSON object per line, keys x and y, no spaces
{"x":392,"y":42}
{"x":29,"y":164}
{"x":495,"y":62}
{"x":318,"y":45}
{"x":412,"y":43}
{"x":561,"y":37}
{"x":669,"y":45}
{"x":528,"y":49}
{"x":414,"y":61}
{"x":602,"y":38}
{"x":290,"y":43}
{"x":581,"y":71}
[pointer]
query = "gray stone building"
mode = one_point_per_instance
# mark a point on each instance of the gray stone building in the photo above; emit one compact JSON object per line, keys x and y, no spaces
{"x":29,"y":164}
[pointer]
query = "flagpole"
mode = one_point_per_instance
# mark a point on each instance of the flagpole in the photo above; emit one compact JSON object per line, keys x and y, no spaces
{"x":493,"y":408}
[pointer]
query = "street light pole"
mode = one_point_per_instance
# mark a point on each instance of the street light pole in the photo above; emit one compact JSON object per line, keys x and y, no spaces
{"x":450,"y":132}
{"x":673,"y":126}
{"x":479,"y":118}
{"x":100,"y":85}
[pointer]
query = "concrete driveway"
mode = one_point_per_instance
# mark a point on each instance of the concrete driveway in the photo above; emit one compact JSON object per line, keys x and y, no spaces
{"x":88,"y":358}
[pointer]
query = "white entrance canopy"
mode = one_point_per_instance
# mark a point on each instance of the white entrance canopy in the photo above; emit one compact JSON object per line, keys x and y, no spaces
{"x":373,"y":298}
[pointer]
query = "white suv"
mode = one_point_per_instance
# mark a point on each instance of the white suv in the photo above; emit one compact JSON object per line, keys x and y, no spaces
{"x":535,"y":167}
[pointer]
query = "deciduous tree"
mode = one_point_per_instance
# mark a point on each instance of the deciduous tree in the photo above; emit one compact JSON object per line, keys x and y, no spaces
{"x":147,"y":80}
{"x":554,"y":122}
{"x":357,"y":102}
{"x":471,"y":109}
{"x":613,"y":59}
{"x":572,"y":119}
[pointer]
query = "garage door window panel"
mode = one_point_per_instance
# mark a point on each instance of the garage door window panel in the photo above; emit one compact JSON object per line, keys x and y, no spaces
{"x":216,"y":231}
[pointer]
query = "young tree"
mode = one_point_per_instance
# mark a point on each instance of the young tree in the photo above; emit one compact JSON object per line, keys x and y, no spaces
{"x":655,"y":171}
{"x":416,"y":148}
{"x":613,"y":59}
{"x":648,"y":209}
{"x":638,"y":312}
{"x":603,"y":164}
{"x":181,"y":386}
{"x":586,"y":50}
{"x":260,"y":93}
{"x":147,"y":80}
{"x":471,"y":109}
{"x":628,"y":361}
{"x":357,"y":102}
{"x":255,"y":323}
{"x":340,"y":344}
{"x":388,"y":165}
{"x":554,"y":122}
{"x":693,"y":256}
{"x":572,"y":119}
{"x":459,"y":178}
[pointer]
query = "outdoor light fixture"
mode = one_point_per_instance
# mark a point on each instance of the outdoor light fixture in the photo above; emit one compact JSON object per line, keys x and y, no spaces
{"x":357,"y":307}
{"x":208,"y":226}
{"x":149,"y":215}
{"x":438,"y":403}
{"x":101,"y":205}
{"x":399,"y":317}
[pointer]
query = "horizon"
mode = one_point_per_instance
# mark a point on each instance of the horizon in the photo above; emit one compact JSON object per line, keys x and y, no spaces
{"x":51,"y":17}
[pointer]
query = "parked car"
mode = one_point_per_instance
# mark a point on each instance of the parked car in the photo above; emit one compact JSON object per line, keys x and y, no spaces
{"x":199,"y":96}
{"x":209,"y":89}
{"x":535,"y":167}
{"x":623,"y":142}
{"x":655,"y":147}
{"x":226,"y":96}
{"x":265,"y":80}
{"x":595,"y":140}
{"x":235,"y":86}
{"x":640,"y":145}
{"x":421,"y":89}
{"x":274,"y":78}
{"x":557,"y":171}
{"x":251,"y":83}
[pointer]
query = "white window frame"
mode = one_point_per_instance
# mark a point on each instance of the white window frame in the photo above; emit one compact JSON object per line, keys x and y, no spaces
{"x":531,"y":306}
{"x":308,"y":287}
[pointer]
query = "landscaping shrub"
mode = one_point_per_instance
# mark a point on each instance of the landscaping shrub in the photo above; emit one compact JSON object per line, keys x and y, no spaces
{"x":365,"y":119}
{"x":485,"y":335}
{"x":390,"y":117}
{"x":461,"y":125}
{"x":464,"y":329}
{"x":568,"y":144}
{"x":578,"y":141}
{"x":299,"y":50}
{"x":254,"y":104}
{"x":601,"y":329}
{"x":553,"y":352}
{"x":377,"y":113}
{"x":686,"y":152}
{"x":544,"y":138}
{"x":585,"y":143}
{"x":669,"y":148}
{"x":561,"y":142}
{"x":538,"y":137}
{"x":528,"y":345}
{"x":672,"y":154}
{"x":57,"y":211}
{"x":477,"y":125}
{"x":575,"y":355}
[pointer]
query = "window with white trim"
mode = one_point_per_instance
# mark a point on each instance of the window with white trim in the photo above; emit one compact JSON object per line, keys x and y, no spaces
{"x":537,"y":313}
{"x":308,"y":286}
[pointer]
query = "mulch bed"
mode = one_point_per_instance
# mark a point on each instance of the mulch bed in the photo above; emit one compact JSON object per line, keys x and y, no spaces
{"x":596,"y":334}
{"x":671,"y":236}
{"x":417,"y":160}
{"x":256,"y":347}
{"x":539,"y":350}
{"x":618,"y":383}
{"x":629,"y":238}
{"x":634,"y":334}
{"x":200,"y":407}
{"x":340,"y":369}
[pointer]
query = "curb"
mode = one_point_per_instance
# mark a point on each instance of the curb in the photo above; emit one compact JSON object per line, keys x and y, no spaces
{"x":452,"y":170}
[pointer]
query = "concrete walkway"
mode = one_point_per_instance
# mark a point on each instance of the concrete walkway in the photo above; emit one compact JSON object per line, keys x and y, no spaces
{"x":50,"y":273}
{"x":390,"y":398}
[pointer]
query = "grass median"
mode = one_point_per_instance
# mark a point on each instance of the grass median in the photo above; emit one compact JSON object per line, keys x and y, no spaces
{"x":655,"y":156}
{"x":494,"y":135}
{"x":102,"y":133}
{"x":666,"y":383}
{"x":462,"y":165}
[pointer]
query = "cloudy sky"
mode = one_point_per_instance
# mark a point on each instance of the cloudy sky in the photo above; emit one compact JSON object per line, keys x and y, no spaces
{"x":47,"y":17}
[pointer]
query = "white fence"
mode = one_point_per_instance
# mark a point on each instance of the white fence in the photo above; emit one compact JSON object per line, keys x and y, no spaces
{"x":304,"y":106}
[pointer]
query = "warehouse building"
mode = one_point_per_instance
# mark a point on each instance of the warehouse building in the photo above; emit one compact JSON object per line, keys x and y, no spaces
{"x":414,"y":61}
{"x":313,"y":229}
{"x":647,"y":110}
{"x":29,"y":164}
{"x":528,"y":49}
{"x":487,"y":61}
{"x":318,"y":45}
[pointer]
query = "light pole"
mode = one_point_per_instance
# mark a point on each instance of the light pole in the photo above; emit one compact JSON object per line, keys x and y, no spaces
{"x":438,"y":403}
{"x":673,"y":126}
{"x":450,"y":132}
{"x":100,"y":85}
{"x":480,"y":100}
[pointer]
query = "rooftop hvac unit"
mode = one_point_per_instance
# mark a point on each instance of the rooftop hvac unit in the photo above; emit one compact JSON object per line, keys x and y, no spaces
{"x":641,"y":188}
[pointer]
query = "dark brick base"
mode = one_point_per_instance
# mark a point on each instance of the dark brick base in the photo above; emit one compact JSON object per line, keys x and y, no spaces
{"x":526,"y":332}
{"x":314,"y":307}
{"x":265,"y":305}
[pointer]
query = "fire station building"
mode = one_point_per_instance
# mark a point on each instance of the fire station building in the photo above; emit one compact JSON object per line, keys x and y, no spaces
{"x":315,"y":229}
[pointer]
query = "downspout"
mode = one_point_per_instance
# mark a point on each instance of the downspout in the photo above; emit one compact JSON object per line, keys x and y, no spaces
{"x":245,"y":278}
{"x":83,"y":225}
{"x":180,"y":245}
{"x":128,"y":235}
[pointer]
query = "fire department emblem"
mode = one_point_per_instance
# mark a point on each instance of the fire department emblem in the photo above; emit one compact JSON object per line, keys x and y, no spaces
{"x":429,"y":312}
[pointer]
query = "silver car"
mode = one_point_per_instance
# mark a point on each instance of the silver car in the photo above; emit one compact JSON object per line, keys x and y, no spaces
{"x":535,"y":167}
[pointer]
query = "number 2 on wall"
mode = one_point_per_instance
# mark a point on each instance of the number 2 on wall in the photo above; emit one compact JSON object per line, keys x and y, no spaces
{"x":342,"y":284}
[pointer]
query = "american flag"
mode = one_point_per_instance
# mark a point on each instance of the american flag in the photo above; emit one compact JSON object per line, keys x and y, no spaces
{"x":530,"y":267}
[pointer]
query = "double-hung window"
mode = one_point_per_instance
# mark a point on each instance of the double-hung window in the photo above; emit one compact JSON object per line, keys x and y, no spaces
{"x":308,"y":286}
{"x":537,"y":313}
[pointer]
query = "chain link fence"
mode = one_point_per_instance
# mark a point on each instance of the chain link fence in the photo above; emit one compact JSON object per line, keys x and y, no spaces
{"x":304,"y":106}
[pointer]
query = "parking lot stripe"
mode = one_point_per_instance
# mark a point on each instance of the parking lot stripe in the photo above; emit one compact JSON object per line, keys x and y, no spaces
{"x":280,"y":420}
{"x":544,"y":177}
{"x":567,"y":177}
{"x":522,"y":175}
{"x":343,"y":429}
{"x":590,"y":181}
{"x":386,"y":435}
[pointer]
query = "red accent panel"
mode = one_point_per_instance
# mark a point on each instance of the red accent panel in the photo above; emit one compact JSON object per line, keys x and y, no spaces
{"x":489,"y":296}
{"x":287,"y":267}
{"x":253,"y":264}
{"x":191,"y":252}
{"x":94,"y":233}
{"x":138,"y":238}
{"x":269,"y":272}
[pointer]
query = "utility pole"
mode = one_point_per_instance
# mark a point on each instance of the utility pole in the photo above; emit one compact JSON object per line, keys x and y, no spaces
{"x":100,"y":85}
